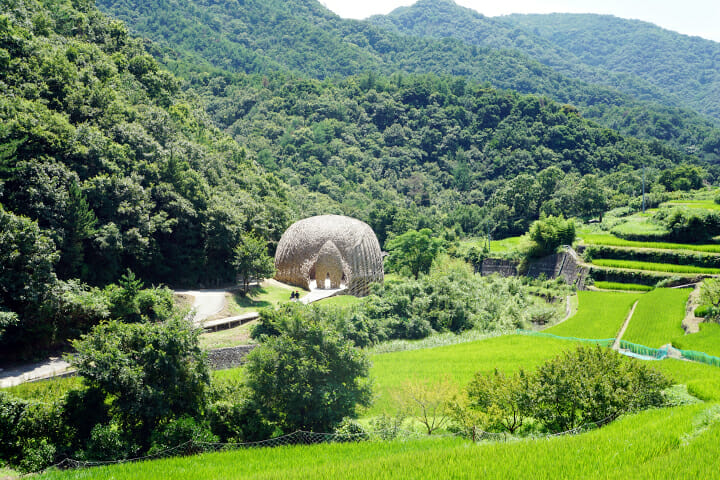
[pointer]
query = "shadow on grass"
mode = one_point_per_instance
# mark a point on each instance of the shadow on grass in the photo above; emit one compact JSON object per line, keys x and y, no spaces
{"x":251,"y":298}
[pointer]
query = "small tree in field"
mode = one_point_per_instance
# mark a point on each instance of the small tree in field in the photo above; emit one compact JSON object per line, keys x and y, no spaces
{"x":429,"y":402}
{"x":252,"y":260}
{"x":504,"y":400}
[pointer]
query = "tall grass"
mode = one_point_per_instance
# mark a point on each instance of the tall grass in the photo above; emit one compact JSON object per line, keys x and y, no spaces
{"x":600,"y":315}
{"x":654,"y":267}
{"x":658,"y":317}
{"x":613,"y":241}
{"x":657,"y":441}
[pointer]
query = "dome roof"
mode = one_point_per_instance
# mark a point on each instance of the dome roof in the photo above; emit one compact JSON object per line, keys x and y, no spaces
{"x":354,"y":241}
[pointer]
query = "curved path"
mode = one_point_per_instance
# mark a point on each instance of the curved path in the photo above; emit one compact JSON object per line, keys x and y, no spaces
{"x":206,"y":303}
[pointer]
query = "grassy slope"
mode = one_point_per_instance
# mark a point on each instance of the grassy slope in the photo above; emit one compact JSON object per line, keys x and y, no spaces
{"x":600,"y":315}
{"x":634,"y":287}
{"x":458,"y":362}
{"x":267,"y":295}
{"x":658,"y":317}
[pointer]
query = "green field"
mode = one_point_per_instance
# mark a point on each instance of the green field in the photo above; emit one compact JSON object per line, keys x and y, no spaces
{"x":600,"y":315}
{"x":631,"y":287}
{"x":613,"y":241}
{"x":658,"y":317}
{"x":459,"y":363}
{"x":654,"y":267}
{"x":707,"y":340}
{"x":700,"y":204}
{"x":500,"y":247}
{"x":654,"y":442}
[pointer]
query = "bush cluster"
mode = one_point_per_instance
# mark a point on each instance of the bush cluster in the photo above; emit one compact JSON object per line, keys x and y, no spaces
{"x":586,"y":386}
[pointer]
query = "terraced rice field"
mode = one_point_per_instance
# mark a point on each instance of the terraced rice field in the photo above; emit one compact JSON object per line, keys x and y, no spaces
{"x":600,"y":315}
{"x":706,"y":340}
{"x":650,"y":444}
{"x":654,"y":267}
{"x":631,"y":287}
{"x":658,"y":317}
{"x":613,"y":241}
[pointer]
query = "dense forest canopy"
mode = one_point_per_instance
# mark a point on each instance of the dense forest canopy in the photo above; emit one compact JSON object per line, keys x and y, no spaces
{"x":113,"y":169}
{"x":302,"y":36}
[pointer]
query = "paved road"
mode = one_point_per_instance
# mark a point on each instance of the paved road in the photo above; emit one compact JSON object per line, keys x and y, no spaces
{"x":9,"y":377}
{"x":207,"y":302}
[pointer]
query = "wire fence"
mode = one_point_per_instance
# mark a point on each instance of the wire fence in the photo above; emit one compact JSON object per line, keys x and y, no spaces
{"x":300,"y":437}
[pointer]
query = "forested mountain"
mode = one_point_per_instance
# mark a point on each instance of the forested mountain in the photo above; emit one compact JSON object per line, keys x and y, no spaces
{"x":301,"y":36}
{"x":684,"y":66}
{"x":634,"y":57}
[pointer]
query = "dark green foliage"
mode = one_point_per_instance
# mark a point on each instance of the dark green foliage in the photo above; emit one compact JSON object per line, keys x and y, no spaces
{"x":549,"y":233}
{"x":238,"y":422}
{"x":413,"y":251}
{"x":677,"y":257}
{"x":108,"y":442}
{"x":150,"y":373}
{"x":592,"y":384}
{"x":683,"y":177}
{"x":316,"y":43}
{"x":308,"y":377}
{"x":185,"y":432}
{"x":689,"y":225}
{"x":252,"y":261}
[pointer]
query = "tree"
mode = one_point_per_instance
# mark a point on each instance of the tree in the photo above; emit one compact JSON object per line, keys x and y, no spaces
{"x":504,"y":400}
{"x":149,"y":373}
{"x":549,"y":233}
{"x":592,"y":384}
{"x":413,"y":250}
{"x":252,"y":260}
{"x":429,"y":402}
{"x":308,"y":377}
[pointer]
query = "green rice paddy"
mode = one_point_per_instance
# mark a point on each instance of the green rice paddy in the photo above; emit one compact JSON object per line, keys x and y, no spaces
{"x":706,"y":340}
{"x":613,"y":241}
{"x":658,"y":317}
{"x":600,"y":315}
{"x":631,"y":287}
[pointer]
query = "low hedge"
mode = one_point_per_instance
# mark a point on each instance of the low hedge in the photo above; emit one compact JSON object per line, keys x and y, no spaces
{"x":642,"y":278}
{"x":677,"y":257}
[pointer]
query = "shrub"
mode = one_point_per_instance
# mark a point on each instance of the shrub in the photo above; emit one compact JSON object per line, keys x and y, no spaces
{"x":592,"y":384}
{"x":37,"y":455}
{"x":238,"y":422}
{"x":549,"y":233}
{"x":350,"y":431}
{"x":183,"y":435}
{"x":702,"y":311}
{"x":107,"y":442}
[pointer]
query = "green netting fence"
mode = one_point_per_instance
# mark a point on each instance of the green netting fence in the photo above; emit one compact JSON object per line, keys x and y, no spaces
{"x":700,"y":357}
{"x":657,"y":353}
{"x":640,"y":350}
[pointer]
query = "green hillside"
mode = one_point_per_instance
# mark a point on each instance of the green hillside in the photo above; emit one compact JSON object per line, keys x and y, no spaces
{"x":304,"y":37}
{"x":685,"y":67}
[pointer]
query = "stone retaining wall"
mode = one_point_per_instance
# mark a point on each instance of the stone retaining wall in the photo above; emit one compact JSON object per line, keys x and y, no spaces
{"x":222,"y":358}
{"x":504,"y":268}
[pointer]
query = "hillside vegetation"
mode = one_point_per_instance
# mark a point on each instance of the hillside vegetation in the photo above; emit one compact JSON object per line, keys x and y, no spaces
{"x":304,"y":37}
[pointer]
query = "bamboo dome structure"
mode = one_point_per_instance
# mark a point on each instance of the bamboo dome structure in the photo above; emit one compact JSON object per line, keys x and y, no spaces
{"x":338,"y":248}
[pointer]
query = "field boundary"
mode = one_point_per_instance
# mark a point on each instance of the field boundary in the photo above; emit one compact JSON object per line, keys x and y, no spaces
{"x":616,"y":344}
